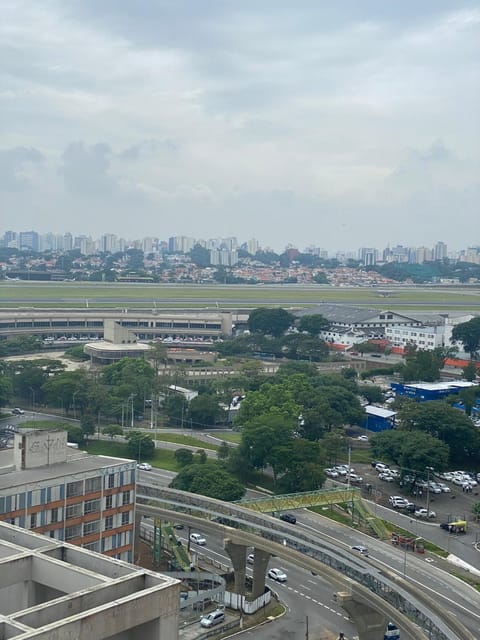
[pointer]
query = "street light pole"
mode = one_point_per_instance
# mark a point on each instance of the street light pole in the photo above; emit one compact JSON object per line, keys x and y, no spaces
{"x":428,"y":469}
{"x":33,"y":398}
{"x":74,"y":411}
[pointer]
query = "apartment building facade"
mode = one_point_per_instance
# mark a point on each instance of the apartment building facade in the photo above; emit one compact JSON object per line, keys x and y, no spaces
{"x":68,"y":495}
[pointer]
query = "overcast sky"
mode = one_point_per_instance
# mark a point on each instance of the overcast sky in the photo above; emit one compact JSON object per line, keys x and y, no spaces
{"x":333,"y":123}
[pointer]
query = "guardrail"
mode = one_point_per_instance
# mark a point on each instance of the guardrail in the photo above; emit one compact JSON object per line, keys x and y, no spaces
{"x":264,"y":532}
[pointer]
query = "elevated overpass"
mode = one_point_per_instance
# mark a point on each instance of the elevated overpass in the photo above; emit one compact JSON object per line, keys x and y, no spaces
{"x":371,"y":594}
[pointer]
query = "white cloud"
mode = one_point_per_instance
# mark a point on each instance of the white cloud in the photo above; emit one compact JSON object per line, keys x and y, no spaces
{"x":202,"y":111}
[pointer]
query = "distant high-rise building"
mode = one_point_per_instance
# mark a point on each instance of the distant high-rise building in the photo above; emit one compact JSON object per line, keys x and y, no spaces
{"x":367,"y":256}
{"x":47,"y":242}
{"x":9,"y":239}
{"x":67,"y":242}
{"x":108,"y":243}
{"x":424,"y":254}
{"x":180,"y":244}
{"x":253,"y":246}
{"x":28,"y":240}
{"x":440,"y":251}
{"x":222,"y":257}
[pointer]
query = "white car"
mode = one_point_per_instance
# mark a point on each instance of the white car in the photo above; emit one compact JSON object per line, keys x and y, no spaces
{"x":213,"y":618}
{"x":381,"y":467}
{"x":277,"y":574}
{"x":331,"y":473}
{"x":354,"y":478}
{"x":386,"y":477}
{"x":251,"y":558}
{"x":197,"y":538}
{"x":444,"y":487}
{"x":362,"y":438}
{"x":144,"y":466}
{"x":423,"y":513}
{"x":362,"y":550}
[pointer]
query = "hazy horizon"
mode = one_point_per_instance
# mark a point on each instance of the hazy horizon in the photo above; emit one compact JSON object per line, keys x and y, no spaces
{"x":337,"y":125}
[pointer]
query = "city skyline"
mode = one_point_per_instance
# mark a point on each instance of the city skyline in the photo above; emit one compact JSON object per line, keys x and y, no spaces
{"x":330,"y":124}
{"x":111,"y":243}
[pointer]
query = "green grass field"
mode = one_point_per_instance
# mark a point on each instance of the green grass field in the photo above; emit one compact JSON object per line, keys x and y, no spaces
{"x":163,"y":458}
{"x":101,"y":295}
{"x":189,"y":441}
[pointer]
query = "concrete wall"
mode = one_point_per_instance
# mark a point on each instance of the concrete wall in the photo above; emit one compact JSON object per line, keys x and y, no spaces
{"x":40,"y":448}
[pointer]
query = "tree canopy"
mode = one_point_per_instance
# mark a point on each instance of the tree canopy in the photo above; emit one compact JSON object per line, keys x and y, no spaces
{"x":448,"y":424}
{"x":270,"y":321}
{"x":468,"y":333}
{"x":209,"y":479}
{"x":313,"y":324}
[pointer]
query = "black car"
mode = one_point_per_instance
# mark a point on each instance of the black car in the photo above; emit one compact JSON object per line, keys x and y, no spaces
{"x":288,"y":517}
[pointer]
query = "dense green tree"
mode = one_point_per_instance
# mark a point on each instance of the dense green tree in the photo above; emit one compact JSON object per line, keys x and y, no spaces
{"x":59,"y":390}
{"x":262,"y":438}
{"x":184,"y":457}
{"x":270,"y":321}
{"x":446,"y":423}
{"x":75,"y":434}
{"x":412,"y":451}
{"x":371,"y":393}
{"x":468,"y":333}
{"x":209,"y":479}
{"x":303,"y":464}
{"x":200,"y":256}
{"x":140,"y":445}
{"x":470,"y":371}
{"x":422,"y":450}
{"x":176,"y":408}
{"x":299,"y":346}
{"x":6,"y":390}
{"x":422,"y":365}
{"x":334,"y":445}
{"x":76,"y":353}
{"x":112,"y":430}
{"x":287,"y":369}
{"x":313,"y":324}
{"x":87,"y":424}
{"x":224,"y":450}
{"x":204,"y":411}
{"x":469,"y":397}
{"x":274,"y":399}
{"x":19,"y":345}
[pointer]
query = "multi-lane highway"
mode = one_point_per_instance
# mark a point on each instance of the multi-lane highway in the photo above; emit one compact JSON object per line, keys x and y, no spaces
{"x":420,"y":571}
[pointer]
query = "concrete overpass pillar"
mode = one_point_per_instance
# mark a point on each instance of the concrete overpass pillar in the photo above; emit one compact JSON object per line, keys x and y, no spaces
{"x":370,"y":623}
{"x":260,"y":563}
{"x":237,"y":553}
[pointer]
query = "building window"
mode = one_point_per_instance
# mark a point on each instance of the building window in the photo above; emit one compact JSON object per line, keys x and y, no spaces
{"x":111,"y":481}
{"x":74,"y":489}
{"x":108,"y":523}
{"x":73,"y":511}
{"x":90,"y":506}
{"x":108,"y":502}
{"x":91,"y":527}
{"x":92,"y":546}
{"x":126,"y":498}
{"x":33,"y":520}
{"x":54,"y":515}
{"x":73,"y":532}
{"x":93,"y":484}
{"x":125,"y":518}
